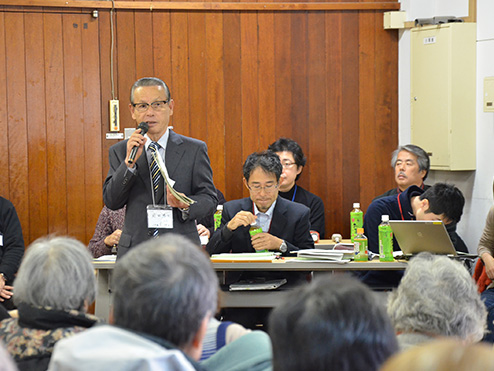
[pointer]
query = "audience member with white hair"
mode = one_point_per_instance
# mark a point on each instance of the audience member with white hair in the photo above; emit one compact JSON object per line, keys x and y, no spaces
{"x":436,"y":298}
{"x":54,"y":286}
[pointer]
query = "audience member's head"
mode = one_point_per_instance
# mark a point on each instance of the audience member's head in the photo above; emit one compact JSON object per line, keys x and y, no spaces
{"x":334,"y":323}
{"x":166,"y":288}
{"x":444,"y":200}
{"x":443,"y":355}
{"x":437,"y":297}
{"x":56,"y":273}
{"x":293,"y":160}
{"x":411,"y":164}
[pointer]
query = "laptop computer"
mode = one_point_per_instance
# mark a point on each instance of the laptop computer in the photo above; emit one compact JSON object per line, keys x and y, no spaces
{"x":415,"y":236}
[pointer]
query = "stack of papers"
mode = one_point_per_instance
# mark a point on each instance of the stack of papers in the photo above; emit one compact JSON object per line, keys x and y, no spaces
{"x":260,"y":257}
{"x":340,"y":256}
{"x":169,"y":182}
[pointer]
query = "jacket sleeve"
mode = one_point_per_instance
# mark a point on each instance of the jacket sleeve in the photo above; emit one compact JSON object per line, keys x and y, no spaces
{"x":486,"y":243}
{"x":13,"y":242}
{"x":302,"y":238}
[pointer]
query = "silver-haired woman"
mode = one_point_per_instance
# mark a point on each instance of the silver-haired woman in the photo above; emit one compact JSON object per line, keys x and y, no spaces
{"x":55,"y":285}
{"x":436,"y":298}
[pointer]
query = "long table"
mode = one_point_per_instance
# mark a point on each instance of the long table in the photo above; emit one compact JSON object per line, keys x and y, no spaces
{"x":247,"y":298}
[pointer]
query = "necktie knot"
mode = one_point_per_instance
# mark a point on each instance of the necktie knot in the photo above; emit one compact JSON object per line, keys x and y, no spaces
{"x":154,"y":146}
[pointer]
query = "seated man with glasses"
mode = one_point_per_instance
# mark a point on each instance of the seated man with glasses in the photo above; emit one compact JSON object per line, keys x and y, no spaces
{"x":152,"y":211}
{"x":285,"y":228}
{"x":293,"y":160}
{"x":285,"y":225}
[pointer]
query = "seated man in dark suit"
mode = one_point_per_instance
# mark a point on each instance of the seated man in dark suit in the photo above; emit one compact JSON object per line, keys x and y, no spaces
{"x":285,"y":224}
{"x":285,"y":227}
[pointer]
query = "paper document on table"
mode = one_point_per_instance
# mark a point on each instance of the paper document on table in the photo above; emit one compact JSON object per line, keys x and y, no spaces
{"x":260,"y":257}
{"x":170,"y":182}
{"x":107,"y":258}
{"x":320,"y":254}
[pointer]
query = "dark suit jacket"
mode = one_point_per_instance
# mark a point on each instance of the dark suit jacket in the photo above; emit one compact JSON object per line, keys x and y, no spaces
{"x":187,"y":163}
{"x":290,"y":222}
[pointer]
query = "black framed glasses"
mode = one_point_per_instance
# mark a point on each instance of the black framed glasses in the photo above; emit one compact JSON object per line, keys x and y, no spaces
{"x":159,"y":105}
{"x":256,"y":188}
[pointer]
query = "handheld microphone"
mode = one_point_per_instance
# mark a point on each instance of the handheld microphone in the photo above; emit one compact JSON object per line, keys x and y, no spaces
{"x":144,"y":129}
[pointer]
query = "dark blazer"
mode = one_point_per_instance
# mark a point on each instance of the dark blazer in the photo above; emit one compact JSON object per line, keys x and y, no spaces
{"x":290,"y":222}
{"x":187,"y":163}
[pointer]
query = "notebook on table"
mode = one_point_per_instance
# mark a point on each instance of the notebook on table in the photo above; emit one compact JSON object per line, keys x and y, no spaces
{"x":415,"y":236}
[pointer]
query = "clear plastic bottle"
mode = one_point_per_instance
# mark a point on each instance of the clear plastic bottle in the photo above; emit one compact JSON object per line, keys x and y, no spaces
{"x":356,"y":219}
{"x":217,"y":216}
{"x":385,"y":240}
{"x":360,"y":244}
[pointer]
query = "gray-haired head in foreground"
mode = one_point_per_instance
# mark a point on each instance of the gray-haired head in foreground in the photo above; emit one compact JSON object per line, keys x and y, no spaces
{"x":334,"y":323}
{"x":56,"y":272}
{"x":165,"y":287}
{"x":422,"y":157}
{"x":149,"y":81}
{"x":437,"y":296}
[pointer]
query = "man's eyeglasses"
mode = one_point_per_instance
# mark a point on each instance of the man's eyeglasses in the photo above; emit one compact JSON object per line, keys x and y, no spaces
{"x":256,"y":188}
{"x":287,"y":165}
{"x":159,"y":105}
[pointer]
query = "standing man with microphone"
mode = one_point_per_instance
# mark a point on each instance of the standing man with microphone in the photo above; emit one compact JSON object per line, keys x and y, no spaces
{"x":134,"y":179}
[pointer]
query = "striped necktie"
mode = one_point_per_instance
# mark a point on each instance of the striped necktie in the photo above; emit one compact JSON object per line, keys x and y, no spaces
{"x":155,"y":175}
{"x":155,"y":171}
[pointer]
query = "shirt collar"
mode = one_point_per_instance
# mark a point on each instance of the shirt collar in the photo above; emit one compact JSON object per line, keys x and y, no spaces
{"x":162,"y":141}
{"x":269,"y":212}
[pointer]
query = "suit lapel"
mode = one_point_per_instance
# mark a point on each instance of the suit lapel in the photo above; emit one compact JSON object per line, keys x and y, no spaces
{"x":143,"y":170}
{"x":279,"y":220}
{"x":174,"y":153}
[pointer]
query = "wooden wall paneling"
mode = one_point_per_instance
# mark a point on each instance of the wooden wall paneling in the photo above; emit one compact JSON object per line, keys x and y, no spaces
{"x":350,"y":115}
{"x":266,"y":73}
{"x":36,"y":119}
{"x":104,"y":44}
{"x":299,"y":107}
{"x":4,"y":140}
{"x":367,"y":109}
{"x":386,"y":76}
{"x":233,"y":111}
{"x":93,"y":154}
{"x":334,"y":205}
{"x":283,"y":92}
{"x":179,"y":83}
{"x":17,"y":118}
{"x":162,"y":45}
{"x":74,"y":124}
{"x":215,"y":96}
{"x":55,"y":125}
{"x":250,"y":97}
{"x":315,"y":172}
{"x":125,"y":60}
{"x":199,"y":90}
{"x":144,"y":44}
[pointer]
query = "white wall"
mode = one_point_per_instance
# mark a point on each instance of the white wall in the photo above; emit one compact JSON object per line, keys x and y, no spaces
{"x":475,"y":185}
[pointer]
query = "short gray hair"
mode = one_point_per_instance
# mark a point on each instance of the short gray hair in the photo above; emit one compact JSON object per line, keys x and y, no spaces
{"x":56,"y":272}
{"x":165,"y":288}
{"x":437,"y":296}
{"x":422,"y":157}
{"x":149,"y":81}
